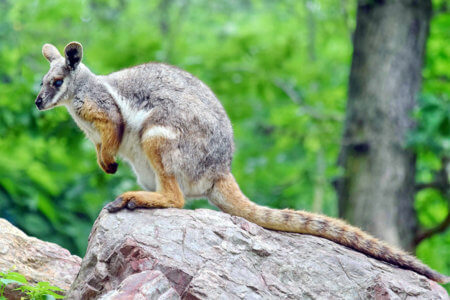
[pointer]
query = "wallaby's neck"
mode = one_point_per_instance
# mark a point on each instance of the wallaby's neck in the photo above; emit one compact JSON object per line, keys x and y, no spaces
{"x":88,"y":85}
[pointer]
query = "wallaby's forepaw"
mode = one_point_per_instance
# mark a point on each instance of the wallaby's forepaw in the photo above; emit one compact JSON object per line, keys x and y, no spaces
{"x":106,"y":161}
{"x":109,"y":168}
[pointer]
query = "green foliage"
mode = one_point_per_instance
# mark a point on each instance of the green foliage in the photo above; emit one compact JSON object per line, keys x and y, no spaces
{"x":433,"y":130}
{"x":39,"y":291}
{"x":431,"y":140}
{"x":279,"y":67}
{"x":10,"y":278}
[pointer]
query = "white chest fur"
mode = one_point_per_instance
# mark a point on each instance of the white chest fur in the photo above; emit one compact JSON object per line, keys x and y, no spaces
{"x":131,"y":151}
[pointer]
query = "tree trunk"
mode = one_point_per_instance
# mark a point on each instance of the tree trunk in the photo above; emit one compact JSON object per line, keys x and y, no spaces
{"x":377,"y":189}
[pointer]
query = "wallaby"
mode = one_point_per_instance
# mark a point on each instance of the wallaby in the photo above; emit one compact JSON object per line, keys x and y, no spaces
{"x":175,"y":134}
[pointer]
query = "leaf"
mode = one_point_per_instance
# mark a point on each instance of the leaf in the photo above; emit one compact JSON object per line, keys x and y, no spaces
{"x":15,"y":276}
{"x":46,"y":285}
{"x":9,"y":281}
{"x":53,"y":295}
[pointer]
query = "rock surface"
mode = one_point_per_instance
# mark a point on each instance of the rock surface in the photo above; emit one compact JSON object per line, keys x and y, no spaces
{"x":204,"y":254}
{"x":35,"y":259}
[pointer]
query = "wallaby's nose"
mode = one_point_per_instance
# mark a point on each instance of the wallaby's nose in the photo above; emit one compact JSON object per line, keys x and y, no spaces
{"x":39,"y":102}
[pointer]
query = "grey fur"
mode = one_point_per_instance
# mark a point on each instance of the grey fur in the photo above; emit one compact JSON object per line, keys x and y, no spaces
{"x":181,"y":101}
{"x":175,"y":99}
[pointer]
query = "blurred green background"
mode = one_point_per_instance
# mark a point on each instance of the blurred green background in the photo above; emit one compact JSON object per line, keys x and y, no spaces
{"x":279,"y":67}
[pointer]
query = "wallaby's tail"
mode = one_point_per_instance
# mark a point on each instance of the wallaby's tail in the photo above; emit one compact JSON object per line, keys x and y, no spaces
{"x":227,"y":195}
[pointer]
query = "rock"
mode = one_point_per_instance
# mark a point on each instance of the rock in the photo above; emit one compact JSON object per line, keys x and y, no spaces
{"x":144,"y":285}
{"x":35,"y":259}
{"x":204,"y":254}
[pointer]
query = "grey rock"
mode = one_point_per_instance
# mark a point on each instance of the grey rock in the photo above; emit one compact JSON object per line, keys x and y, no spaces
{"x":35,"y":259}
{"x":204,"y":254}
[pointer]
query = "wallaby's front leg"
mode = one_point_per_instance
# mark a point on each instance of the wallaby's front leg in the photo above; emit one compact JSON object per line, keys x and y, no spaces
{"x":107,"y":150}
{"x":168,"y":192}
{"x":110,"y":127}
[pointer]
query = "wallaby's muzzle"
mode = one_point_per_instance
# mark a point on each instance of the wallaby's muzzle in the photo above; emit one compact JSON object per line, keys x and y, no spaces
{"x":39,"y":102}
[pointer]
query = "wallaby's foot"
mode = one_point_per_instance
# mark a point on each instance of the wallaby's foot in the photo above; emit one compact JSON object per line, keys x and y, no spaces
{"x":132,"y":200}
{"x":115,"y":205}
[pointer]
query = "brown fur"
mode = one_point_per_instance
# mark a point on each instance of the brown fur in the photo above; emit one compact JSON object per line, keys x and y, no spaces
{"x":111,"y":135}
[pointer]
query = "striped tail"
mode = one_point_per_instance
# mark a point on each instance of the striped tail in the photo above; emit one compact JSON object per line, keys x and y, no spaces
{"x":227,"y":195}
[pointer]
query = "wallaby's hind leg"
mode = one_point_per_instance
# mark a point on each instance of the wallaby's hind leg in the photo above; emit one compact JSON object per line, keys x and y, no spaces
{"x":168,"y":192}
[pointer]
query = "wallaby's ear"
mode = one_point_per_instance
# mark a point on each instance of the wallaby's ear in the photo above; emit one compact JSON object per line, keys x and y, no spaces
{"x":73,"y":53}
{"x":50,"y":52}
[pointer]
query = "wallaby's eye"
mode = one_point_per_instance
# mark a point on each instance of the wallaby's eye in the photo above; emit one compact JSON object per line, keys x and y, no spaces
{"x":41,"y":83}
{"x":58,"y":83}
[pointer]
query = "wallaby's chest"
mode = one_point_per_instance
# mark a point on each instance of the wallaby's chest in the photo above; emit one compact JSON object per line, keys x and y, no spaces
{"x":87,"y":127}
{"x":131,"y":151}
{"x":130,"y":147}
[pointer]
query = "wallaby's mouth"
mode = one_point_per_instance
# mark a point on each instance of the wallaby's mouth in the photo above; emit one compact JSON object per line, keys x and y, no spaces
{"x":39,"y":102}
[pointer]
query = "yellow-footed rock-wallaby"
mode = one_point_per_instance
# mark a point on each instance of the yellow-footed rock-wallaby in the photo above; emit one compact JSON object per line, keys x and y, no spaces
{"x":173,"y":131}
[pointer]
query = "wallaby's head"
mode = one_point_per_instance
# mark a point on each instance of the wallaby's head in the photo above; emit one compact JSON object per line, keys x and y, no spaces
{"x":57,"y":85}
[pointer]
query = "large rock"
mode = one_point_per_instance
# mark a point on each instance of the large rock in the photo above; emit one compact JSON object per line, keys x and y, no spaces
{"x":204,"y":254}
{"x":35,"y":259}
